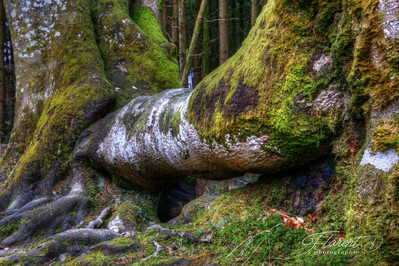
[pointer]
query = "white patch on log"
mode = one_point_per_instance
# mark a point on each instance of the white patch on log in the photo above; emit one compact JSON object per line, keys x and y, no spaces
{"x":381,"y":160}
{"x":323,"y":61}
{"x":186,"y":152}
{"x":328,"y":99}
{"x":391,"y":20}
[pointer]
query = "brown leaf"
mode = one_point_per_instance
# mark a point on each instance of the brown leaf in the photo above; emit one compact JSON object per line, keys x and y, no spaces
{"x":312,"y":217}
{"x":284,"y":214}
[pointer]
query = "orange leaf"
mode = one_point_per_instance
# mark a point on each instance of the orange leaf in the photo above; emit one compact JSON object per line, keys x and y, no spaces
{"x":284,"y":214}
{"x":312,"y":217}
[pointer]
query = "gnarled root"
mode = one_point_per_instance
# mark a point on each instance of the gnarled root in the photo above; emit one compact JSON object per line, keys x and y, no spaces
{"x":73,"y":242}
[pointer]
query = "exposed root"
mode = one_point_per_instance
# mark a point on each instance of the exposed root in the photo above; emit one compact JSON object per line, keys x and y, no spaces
{"x":97,"y":223}
{"x":63,"y":213}
{"x":184,"y":234}
{"x":46,"y":217}
{"x":31,"y":205}
{"x":158,"y":246}
{"x":73,"y":242}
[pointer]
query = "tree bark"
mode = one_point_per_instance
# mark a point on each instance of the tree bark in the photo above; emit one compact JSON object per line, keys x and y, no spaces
{"x":3,"y":91}
{"x":198,"y":51}
{"x":206,"y":41}
{"x":175,"y":23}
{"x":164,"y":16}
{"x":182,"y":35}
{"x":193,"y":44}
{"x":64,"y":83}
{"x":223,"y":32}
{"x":254,"y":11}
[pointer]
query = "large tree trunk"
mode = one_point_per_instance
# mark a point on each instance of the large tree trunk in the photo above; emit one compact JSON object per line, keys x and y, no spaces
{"x":71,"y":69}
{"x":286,"y":97}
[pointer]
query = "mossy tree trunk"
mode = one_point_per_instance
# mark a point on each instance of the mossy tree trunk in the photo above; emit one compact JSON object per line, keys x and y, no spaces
{"x":285,"y":98}
{"x":73,"y":65}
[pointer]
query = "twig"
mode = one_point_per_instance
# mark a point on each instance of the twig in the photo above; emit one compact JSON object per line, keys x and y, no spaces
{"x":99,"y":221}
{"x":158,"y":247}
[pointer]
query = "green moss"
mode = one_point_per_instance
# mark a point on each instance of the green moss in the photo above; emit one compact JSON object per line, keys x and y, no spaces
{"x":132,"y":214}
{"x":386,"y":135}
{"x":176,"y":122}
{"x":6,"y":262}
{"x":93,"y":259}
{"x":145,"y":18}
{"x":148,"y":65}
{"x":64,"y":114}
{"x":271,"y":68}
{"x":122,"y":241}
{"x":8,"y":230}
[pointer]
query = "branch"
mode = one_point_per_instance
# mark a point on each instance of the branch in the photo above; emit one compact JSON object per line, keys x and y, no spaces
{"x":193,"y":44}
{"x":99,"y":221}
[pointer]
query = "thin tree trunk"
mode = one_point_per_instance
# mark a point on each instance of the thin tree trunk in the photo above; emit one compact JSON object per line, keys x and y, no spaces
{"x":254,"y":11}
{"x":237,"y":27}
{"x":175,"y":22}
{"x":182,"y":34}
{"x":205,"y":40}
{"x":223,"y":32}
{"x":164,"y":16}
{"x":197,"y":57}
{"x":2,"y":70}
{"x":193,"y":44}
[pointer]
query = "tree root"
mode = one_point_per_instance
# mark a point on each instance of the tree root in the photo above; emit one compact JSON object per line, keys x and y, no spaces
{"x":172,"y":232}
{"x":63,"y":213}
{"x":73,"y":242}
{"x":158,"y":246}
{"x":99,"y":221}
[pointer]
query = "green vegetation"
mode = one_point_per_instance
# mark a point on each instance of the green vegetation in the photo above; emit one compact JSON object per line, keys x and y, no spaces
{"x":386,"y":135}
{"x":270,"y":70}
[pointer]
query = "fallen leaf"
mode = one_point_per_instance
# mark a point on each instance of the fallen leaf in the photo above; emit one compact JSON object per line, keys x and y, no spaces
{"x":312,"y":217}
{"x":284,"y":214}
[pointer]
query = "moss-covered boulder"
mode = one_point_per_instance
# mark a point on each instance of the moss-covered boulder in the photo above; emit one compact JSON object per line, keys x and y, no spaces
{"x":128,"y":217}
{"x":192,"y":209}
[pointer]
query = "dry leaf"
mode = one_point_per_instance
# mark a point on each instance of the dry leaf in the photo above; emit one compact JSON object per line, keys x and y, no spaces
{"x":312,"y":217}
{"x":284,"y":214}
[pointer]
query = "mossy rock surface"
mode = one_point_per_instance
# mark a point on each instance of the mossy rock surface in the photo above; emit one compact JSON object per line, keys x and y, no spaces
{"x":192,"y":209}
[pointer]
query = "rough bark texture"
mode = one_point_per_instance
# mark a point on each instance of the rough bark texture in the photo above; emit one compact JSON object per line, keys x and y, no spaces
{"x":254,"y":11}
{"x":175,"y":22}
{"x":223,"y":32}
{"x":71,"y":67}
{"x":2,"y":70}
{"x":182,"y":35}
{"x":193,"y":44}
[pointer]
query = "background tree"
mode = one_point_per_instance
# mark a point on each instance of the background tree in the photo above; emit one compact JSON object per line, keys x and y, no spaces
{"x":223,"y":32}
